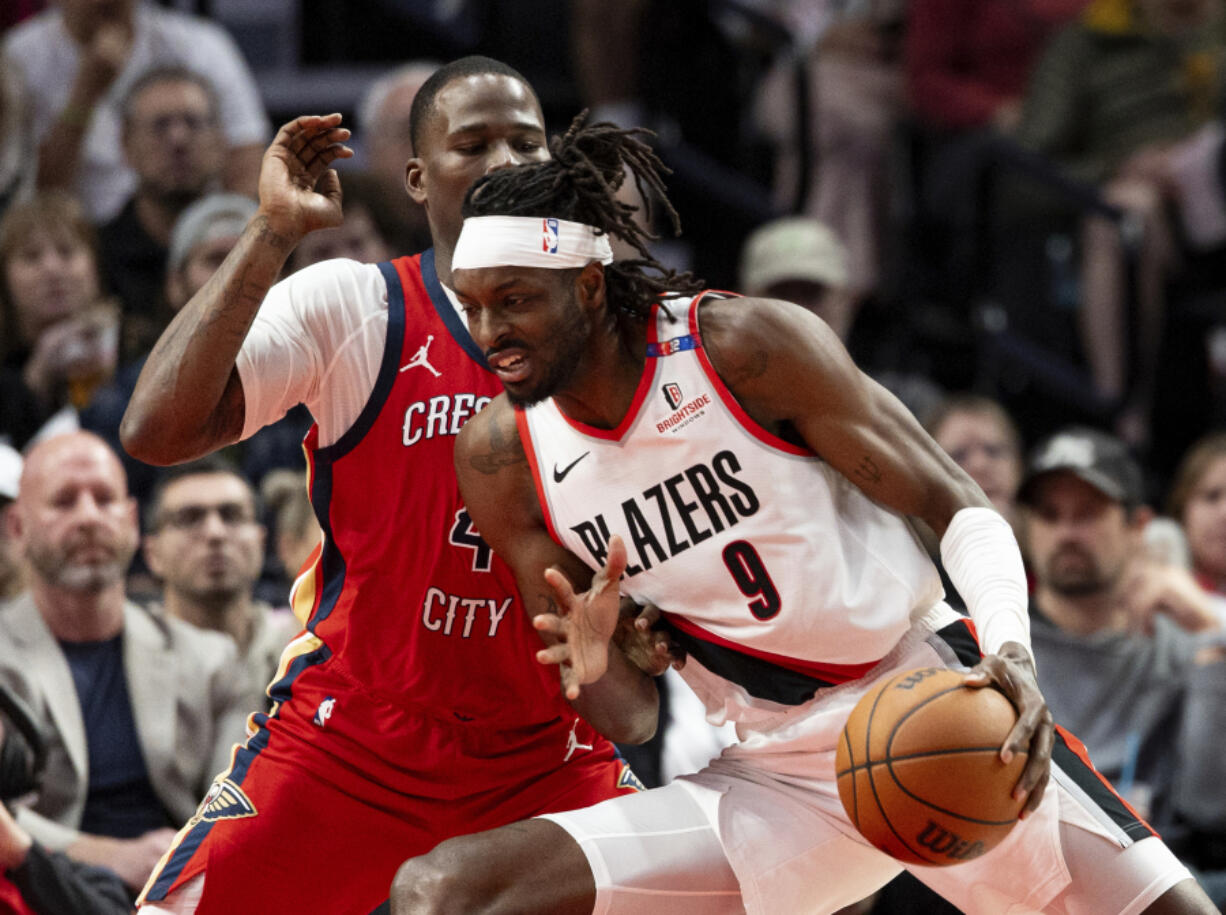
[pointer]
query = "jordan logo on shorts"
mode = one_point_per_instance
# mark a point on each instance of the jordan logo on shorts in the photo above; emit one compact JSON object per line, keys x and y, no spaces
{"x":225,"y":801}
{"x":422,"y":358}
{"x":572,"y":743}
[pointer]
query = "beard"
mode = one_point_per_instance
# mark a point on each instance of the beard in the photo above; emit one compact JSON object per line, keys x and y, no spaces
{"x":1073,"y":572}
{"x":56,"y":566}
{"x":569,"y":341}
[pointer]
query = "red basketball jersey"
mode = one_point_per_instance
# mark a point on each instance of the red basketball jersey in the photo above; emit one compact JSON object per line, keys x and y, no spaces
{"x":414,"y":610}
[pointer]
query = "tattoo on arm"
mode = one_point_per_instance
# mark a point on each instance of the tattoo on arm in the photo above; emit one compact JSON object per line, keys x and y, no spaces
{"x":504,"y":451}
{"x":867,"y":470}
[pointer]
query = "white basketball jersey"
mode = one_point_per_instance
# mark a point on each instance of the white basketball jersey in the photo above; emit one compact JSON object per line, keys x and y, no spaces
{"x":777,"y":574}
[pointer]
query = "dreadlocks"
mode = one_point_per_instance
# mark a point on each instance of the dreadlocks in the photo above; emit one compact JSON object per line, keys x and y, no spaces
{"x":580,"y":183}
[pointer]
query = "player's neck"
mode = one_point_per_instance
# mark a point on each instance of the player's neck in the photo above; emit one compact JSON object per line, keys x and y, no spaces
{"x":606,"y":381}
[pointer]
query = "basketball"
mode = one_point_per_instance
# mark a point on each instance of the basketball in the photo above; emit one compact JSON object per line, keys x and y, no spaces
{"x":919,"y":768}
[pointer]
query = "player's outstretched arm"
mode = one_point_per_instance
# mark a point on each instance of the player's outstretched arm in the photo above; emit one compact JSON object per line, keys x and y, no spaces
{"x":575,"y":612}
{"x":188,"y":400}
{"x":793,"y":376}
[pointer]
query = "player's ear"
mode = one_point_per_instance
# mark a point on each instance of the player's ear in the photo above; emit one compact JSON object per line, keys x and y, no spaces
{"x":414,"y":180}
{"x":589,"y":285}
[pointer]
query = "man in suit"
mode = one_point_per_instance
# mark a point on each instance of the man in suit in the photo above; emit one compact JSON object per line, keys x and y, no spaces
{"x":139,"y":711}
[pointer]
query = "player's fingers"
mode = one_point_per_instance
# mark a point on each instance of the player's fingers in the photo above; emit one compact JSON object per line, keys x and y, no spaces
{"x":614,"y":565}
{"x":1033,"y":781}
{"x":648,"y":616}
{"x":548,"y":622}
{"x":561,"y":587}
{"x":298,"y":133}
{"x":554,"y":654}
{"x":329,"y":185}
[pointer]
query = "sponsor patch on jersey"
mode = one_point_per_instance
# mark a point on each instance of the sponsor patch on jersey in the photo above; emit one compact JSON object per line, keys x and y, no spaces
{"x":675,"y":345}
{"x":684,"y":411}
{"x":628,"y":780}
{"x":225,"y":801}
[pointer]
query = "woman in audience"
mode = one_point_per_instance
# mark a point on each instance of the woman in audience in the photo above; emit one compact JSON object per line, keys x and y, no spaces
{"x":60,"y":334}
{"x":1198,"y":501}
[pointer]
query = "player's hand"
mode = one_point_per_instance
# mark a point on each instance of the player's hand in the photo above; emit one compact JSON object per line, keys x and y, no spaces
{"x":299,"y":190}
{"x":646,"y":644}
{"x":584,"y":622}
{"x":1012,"y":672}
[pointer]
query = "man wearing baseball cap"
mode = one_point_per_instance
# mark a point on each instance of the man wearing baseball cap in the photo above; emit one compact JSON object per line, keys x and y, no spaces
{"x":1128,"y":649}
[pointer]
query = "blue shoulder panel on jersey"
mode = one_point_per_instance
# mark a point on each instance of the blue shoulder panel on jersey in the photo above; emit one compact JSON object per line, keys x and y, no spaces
{"x":447,"y":313}
{"x":387,"y":370}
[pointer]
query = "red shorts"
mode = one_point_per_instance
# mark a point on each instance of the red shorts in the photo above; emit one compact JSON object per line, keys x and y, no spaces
{"x":290,"y":829}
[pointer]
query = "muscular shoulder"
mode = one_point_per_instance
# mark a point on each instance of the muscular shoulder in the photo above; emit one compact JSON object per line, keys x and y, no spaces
{"x":768,"y":351}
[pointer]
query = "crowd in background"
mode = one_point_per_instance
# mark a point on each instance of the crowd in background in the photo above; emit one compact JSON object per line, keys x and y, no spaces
{"x":1013,"y":212}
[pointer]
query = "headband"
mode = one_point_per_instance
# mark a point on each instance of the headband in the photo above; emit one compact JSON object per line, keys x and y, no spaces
{"x":528,"y":241}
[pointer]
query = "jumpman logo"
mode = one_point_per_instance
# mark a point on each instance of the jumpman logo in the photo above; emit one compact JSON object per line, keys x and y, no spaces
{"x":572,"y":743}
{"x":421,"y":357}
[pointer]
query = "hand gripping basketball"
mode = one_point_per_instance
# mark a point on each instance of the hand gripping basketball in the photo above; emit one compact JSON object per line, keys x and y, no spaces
{"x":919,"y":767}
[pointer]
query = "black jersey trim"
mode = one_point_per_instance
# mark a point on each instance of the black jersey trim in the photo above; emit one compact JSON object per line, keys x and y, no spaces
{"x":961,"y":638}
{"x":1077,"y":766}
{"x":759,"y":677}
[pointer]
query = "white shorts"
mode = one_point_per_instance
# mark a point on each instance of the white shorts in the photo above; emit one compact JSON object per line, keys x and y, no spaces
{"x":765,"y":818}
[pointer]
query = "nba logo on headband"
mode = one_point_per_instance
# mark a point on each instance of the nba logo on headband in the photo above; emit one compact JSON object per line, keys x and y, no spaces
{"x":549,"y":244}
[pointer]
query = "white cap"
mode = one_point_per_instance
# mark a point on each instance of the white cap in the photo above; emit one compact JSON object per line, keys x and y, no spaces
{"x":792,"y":248}
{"x":10,"y":471}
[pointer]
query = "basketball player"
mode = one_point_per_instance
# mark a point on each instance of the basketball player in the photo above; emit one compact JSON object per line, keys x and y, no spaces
{"x":728,"y":457}
{"x":410,"y":708}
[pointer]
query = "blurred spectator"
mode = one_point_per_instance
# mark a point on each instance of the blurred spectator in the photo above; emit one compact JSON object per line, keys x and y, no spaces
{"x":172,"y":140}
{"x":1111,"y":101}
{"x":383,"y":131}
{"x":62,"y":337}
{"x":968,"y":61}
{"x":77,"y":62}
{"x":1134,"y":671}
{"x":368,"y":228}
{"x":798,"y":259}
{"x":967,"y":64}
{"x":982,"y":438}
{"x":139,"y":710}
{"x":14,"y":11}
{"x":36,"y":881}
{"x":1198,"y":501}
{"x":12,"y":578}
{"x":202,"y":236}
{"x":851,"y":56}
{"x":16,"y":159}
{"x":296,"y":533}
{"x":206,"y":544}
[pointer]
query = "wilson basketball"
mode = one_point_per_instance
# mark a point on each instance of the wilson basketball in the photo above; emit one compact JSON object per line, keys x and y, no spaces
{"x":919,"y":767}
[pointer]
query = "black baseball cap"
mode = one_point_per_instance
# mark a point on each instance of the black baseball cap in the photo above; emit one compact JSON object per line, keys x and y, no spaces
{"x":1093,"y":457}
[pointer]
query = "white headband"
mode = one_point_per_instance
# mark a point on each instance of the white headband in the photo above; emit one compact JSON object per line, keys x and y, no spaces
{"x":528,"y":241}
